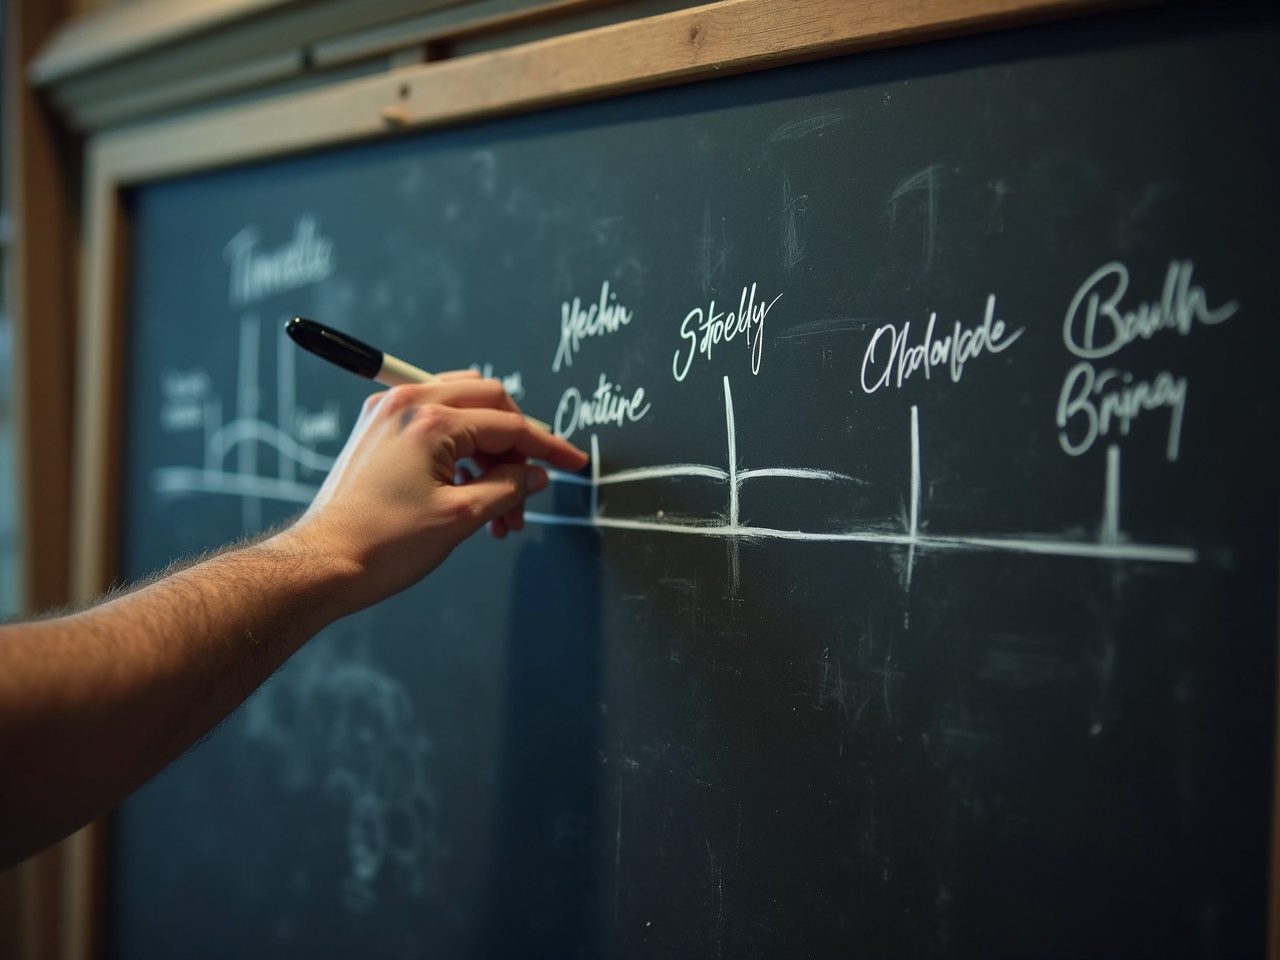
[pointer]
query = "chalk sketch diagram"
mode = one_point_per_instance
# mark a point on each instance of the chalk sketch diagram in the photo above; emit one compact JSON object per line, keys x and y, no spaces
{"x":241,"y":436}
{"x":242,"y":433}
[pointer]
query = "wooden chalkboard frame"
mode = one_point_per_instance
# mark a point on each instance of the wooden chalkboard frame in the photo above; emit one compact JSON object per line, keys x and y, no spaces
{"x":719,"y":38}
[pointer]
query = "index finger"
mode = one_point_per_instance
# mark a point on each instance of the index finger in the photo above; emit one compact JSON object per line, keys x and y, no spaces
{"x":485,"y":430}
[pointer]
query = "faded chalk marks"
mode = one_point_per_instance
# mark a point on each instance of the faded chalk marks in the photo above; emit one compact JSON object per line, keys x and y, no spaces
{"x":734,"y":551}
{"x":715,"y":902}
{"x":483,"y":167}
{"x":807,"y":126}
{"x":818,"y":328}
{"x":341,"y":728}
{"x":711,"y":252}
{"x":794,"y":214}
{"x":1019,"y":661}
{"x":833,"y":690}
{"x":1000,"y":190}
{"x":1132,"y":226}
{"x":921,"y":189}
{"x":857,"y":678}
{"x":793,"y":220}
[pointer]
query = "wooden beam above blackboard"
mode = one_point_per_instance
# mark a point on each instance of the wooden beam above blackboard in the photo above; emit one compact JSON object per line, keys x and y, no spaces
{"x":114,"y":67}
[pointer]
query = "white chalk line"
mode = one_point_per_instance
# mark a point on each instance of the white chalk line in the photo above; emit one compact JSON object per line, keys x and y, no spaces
{"x":1065,"y":548}
{"x":637,"y":474}
{"x":1111,"y":547}
{"x":178,"y":480}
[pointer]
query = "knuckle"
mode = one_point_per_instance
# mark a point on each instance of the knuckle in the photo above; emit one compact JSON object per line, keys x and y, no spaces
{"x":431,"y":417}
{"x":435,"y":416}
{"x":468,"y":511}
{"x":398,"y":399}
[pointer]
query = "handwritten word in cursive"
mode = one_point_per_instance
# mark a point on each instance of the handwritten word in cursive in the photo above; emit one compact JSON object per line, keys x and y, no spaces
{"x":718,"y":327}
{"x":1091,"y":404}
{"x":607,"y":405}
{"x":314,"y":426}
{"x":603,"y":317}
{"x":1101,"y":328}
{"x":893,"y":364}
{"x":255,"y":273}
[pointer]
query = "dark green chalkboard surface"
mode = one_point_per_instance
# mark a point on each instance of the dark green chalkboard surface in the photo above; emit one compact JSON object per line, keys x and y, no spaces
{"x":921,"y":599}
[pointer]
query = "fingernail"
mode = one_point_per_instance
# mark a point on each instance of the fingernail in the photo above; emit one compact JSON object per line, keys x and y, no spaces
{"x":536,"y":480}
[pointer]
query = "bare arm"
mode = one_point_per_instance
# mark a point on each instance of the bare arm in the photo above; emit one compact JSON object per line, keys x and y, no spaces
{"x":94,"y":704}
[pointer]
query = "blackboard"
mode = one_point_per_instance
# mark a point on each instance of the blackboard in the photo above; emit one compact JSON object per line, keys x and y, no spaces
{"x":921,"y":599}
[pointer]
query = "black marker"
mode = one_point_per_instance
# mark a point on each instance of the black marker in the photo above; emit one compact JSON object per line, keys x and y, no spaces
{"x":360,"y":358}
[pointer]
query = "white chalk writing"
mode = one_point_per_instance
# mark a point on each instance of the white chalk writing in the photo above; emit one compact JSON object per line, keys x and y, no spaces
{"x":1092,"y":403}
{"x":314,"y":426}
{"x":185,"y":393}
{"x":607,"y":405}
{"x":889,"y":361}
{"x":255,"y":273}
{"x":1095,"y":402}
{"x":1180,"y":307}
{"x":604,"y":317}
{"x":722,"y":327}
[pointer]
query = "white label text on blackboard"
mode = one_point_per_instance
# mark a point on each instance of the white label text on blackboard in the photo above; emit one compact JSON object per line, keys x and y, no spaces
{"x":1094,"y":402}
{"x":716,"y":327}
{"x":1095,"y":325}
{"x":184,"y":394}
{"x":598,"y":319}
{"x":256,"y":273}
{"x":889,"y":361}
{"x":607,"y":405}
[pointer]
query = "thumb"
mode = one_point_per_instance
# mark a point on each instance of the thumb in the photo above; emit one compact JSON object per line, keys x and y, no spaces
{"x":500,"y":489}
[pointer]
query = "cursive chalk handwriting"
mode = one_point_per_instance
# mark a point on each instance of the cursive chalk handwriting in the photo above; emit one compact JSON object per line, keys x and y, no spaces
{"x":600,"y":318}
{"x":1102,"y":327}
{"x":255,"y":273}
{"x":313,"y":426}
{"x":889,"y":361}
{"x":1091,"y":404}
{"x":608,"y":405}
{"x":717,"y":327}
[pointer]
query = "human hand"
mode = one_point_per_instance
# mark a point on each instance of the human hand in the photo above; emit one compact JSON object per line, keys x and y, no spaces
{"x":397,"y":500}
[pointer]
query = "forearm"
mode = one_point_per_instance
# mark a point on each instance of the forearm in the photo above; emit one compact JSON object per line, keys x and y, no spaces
{"x":93,"y":705}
